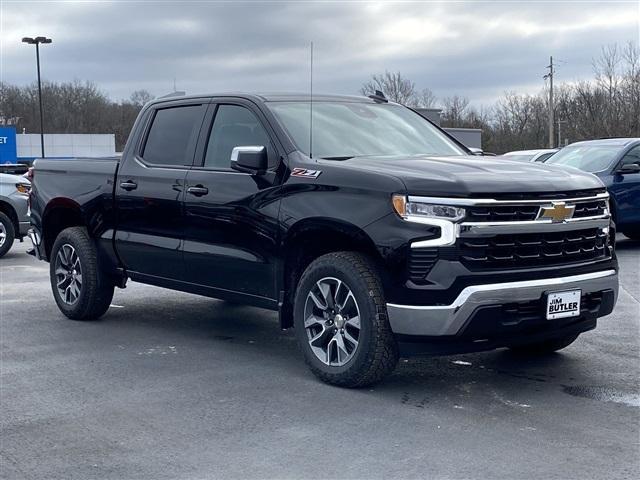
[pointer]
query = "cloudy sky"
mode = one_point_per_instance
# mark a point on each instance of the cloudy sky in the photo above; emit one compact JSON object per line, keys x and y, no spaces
{"x":474,"y":48}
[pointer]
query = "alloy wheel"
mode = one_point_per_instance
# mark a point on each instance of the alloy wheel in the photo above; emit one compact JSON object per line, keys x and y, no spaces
{"x":68,"y":271}
{"x":3,"y":234}
{"x":332,"y":321}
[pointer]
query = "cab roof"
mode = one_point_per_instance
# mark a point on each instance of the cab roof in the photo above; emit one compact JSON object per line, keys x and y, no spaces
{"x":271,"y":97}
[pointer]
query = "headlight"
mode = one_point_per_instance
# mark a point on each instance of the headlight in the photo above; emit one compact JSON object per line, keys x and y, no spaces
{"x":406,"y":209}
{"x":23,"y":188}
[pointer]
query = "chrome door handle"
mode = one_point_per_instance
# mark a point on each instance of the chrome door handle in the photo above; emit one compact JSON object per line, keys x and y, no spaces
{"x":198,"y":190}
{"x":128,"y":185}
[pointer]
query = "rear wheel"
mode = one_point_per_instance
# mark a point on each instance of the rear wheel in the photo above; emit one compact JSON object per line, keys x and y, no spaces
{"x":546,"y":347}
{"x":7,"y":234}
{"x":341,"y":323}
{"x":81,"y":290}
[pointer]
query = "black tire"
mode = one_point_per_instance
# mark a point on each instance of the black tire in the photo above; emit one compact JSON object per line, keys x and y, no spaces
{"x":376,"y":353}
{"x":96,"y":290}
{"x":6,"y":228}
{"x":546,"y":347}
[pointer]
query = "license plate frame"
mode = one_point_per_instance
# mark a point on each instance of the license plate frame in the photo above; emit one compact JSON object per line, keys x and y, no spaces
{"x":563,"y":304}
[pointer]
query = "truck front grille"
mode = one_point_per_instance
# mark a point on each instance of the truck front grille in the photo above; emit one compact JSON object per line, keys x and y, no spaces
{"x":533,"y":249}
{"x":516,"y":213}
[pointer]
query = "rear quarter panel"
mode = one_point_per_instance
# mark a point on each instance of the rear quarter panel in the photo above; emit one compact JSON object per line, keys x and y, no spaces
{"x":81,"y":184}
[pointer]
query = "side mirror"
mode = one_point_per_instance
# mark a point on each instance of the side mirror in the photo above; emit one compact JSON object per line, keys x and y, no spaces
{"x":628,"y":168}
{"x":250,"y":159}
{"x":476,"y":151}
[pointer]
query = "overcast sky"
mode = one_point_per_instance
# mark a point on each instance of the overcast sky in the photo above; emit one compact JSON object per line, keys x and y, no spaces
{"x":476,"y":49}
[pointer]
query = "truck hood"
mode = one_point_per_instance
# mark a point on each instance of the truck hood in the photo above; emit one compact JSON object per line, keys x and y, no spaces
{"x":472,"y":175}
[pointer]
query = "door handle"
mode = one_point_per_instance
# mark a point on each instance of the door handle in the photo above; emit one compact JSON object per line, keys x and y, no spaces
{"x":198,"y":190}
{"x":129,"y":185}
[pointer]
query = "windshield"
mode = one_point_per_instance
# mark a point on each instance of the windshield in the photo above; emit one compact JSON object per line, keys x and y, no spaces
{"x":590,"y":158}
{"x":349,"y":129}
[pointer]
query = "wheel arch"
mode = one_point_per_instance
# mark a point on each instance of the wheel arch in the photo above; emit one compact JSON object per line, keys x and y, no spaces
{"x":59,"y":214}
{"x":9,"y":211}
{"x":309,"y":239}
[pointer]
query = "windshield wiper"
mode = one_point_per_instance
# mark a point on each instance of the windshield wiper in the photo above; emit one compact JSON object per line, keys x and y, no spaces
{"x":346,"y":157}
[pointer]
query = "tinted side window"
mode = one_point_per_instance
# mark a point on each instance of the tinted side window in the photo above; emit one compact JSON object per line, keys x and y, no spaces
{"x":234,"y":126}
{"x":173,"y":131}
{"x":632,"y":156}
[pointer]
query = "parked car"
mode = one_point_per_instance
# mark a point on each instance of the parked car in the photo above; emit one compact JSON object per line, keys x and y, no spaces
{"x":539,"y":155}
{"x":385,"y":237}
{"x":14,"y":221}
{"x":616,"y":161}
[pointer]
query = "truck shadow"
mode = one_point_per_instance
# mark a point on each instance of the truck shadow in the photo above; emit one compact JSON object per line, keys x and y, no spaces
{"x":250,"y":334}
{"x":623,"y":244}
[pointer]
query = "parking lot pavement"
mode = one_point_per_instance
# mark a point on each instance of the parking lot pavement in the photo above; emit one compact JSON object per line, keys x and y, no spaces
{"x":170,"y":385}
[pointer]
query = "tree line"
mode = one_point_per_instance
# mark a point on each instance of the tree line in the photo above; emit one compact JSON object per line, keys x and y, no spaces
{"x":608,"y":105}
{"x":70,"y":107}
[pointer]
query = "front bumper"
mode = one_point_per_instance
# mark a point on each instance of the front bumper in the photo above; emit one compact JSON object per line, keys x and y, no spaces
{"x":451,"y":320}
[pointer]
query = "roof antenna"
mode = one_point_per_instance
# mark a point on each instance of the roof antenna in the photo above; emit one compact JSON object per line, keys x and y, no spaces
{"x":311,"y":107}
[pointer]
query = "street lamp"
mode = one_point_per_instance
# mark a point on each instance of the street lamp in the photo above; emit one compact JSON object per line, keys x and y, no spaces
{"x":37,"y":41}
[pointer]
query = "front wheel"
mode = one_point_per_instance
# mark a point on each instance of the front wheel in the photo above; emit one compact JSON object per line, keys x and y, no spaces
{"x":546,"y":347}
{"x":7,"y":234}
{"x":80,"y":288}
{"x":341,"y":323}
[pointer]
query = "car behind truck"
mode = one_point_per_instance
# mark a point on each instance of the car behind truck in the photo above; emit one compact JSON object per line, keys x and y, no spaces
{"x":377,"y":236}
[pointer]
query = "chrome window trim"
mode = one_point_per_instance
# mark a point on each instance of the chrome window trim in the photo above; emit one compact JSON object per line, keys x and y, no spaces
{"x":492,"y":201}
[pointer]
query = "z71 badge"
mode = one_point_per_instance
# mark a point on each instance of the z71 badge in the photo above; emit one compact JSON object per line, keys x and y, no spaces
{"x":305,"y":173}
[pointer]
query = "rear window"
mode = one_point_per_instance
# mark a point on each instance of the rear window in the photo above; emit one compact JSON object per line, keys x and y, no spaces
{"x":172,"y":135}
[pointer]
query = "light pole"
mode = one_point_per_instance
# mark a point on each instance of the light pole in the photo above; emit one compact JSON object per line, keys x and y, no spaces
{"x":560,"y":122}
{"x":37,"y":41}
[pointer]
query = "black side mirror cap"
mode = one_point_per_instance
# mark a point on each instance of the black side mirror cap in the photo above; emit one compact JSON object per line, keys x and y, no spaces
{"x":250,"y":159}
{"x":629,"y":168}
{"x":476,"y":151}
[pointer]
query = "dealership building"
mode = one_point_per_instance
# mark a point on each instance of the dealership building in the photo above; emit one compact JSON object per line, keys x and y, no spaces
{"x":25,"y":147}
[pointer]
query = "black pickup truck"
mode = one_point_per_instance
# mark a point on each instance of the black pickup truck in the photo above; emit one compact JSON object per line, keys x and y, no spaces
{"x":369,"y":229}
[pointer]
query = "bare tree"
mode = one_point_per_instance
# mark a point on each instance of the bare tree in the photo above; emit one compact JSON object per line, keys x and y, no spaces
{"x":140,"y":97}
{"x":453,"y":110}
{"x":425,"y":99}
{"x":399,"y":89}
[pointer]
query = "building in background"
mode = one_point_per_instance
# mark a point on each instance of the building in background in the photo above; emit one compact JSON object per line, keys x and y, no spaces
{"x":25,"y":147}
{"x":470,"y":137}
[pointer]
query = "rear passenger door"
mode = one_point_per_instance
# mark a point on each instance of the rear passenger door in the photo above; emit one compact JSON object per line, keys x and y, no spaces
{"x":231,"y":217}
{"x":150,"y":191}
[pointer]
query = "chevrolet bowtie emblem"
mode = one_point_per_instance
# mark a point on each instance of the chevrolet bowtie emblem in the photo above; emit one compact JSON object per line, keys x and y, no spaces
{"x":558,"y":212}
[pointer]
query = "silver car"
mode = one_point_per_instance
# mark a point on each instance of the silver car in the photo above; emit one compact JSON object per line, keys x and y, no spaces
{"x":14,"y":219}
{"x":539,"y":155}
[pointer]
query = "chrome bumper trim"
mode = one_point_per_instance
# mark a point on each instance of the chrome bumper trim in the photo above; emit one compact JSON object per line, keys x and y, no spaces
{"x":479,"y":229}
{"x":436,"y":320}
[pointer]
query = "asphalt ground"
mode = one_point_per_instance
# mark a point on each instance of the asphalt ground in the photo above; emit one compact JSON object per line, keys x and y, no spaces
{"x":170,"y":385}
